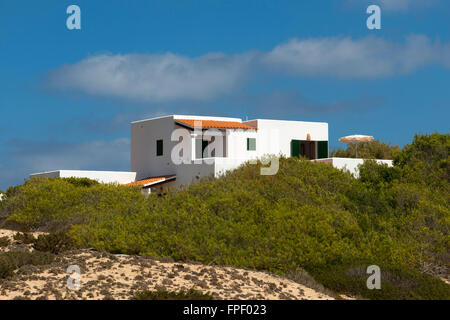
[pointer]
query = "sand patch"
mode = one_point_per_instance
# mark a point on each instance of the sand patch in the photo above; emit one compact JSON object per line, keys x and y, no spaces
{"x":107,"y":276}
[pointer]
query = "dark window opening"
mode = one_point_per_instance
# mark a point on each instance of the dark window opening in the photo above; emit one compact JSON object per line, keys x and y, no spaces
{"x":159,"y":147}
{"x":304,"y":148}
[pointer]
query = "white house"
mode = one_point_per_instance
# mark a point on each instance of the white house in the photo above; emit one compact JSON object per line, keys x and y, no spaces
{"x":177,"y":150}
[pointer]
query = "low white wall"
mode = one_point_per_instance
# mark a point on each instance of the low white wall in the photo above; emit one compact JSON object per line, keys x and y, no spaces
{"x":215,"y":167}
{"x":350,"y":164}
{"x":208,"y":167}
{"x":188,"y":173}
{"x":49,"y":174}
{"x":222,"y":165}
{"x":120,"y":177}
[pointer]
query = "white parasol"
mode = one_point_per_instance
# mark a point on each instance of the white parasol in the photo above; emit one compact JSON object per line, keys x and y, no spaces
{"x":356,"y":138}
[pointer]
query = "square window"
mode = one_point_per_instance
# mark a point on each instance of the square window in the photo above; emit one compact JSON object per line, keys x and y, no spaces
{"x":159,"y":147}
{"x":251,"y":144}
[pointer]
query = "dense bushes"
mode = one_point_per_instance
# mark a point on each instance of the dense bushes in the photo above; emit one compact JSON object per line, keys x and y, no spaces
{"x":309,"y":215}
{"x":172,"y":295}
{"x":9,"y":261}
{"x":367,"y":150}
{"x":427,"y":160}
{"x":53,"y":242}
{"x":397,"y":283}
{"x":24,"y":238}
{"x":4,"y":242}
{"x":59,"y":203}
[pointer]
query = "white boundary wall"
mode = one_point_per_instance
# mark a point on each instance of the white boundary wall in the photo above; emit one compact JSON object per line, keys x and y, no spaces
{"x":209,"y":167}
{"x":350,"y":164}
{"x":119,"y":177}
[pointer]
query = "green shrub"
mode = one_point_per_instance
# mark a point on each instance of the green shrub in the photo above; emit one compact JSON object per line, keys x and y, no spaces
{"x":25,"y":238}
{"x":44,"y":203}
{"x":367,"y":150}
{"x":12,"y":260}
{"x":171,"y":295}
{"x":426,"y":160}
{"x":397,"y":283}
{"x":304,"y":278}
{"x":53,"y":242}
{"x":34,"y":258}
{"x":81,"y":182}
{"x":308,"y":216}
{"x":4,"y":242}
{"x":7,"y":266}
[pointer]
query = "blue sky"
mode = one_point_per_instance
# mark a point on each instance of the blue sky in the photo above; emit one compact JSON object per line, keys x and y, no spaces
{"x":67,"y":96}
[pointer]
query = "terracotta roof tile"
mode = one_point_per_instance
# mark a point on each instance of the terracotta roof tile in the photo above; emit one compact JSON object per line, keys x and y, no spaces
{"x":148,"y":181}
{"x":207,"y":124}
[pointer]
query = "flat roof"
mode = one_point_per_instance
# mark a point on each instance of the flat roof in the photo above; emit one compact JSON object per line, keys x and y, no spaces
{"x":206,"y":124}
{"x":191,"y":117}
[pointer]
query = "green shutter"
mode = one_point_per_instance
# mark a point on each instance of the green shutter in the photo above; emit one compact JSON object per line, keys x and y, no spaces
{"x":322,"y":151}
{"x":159,"y":147}
{"x":295,"y":148}
{"x":251,"y":144}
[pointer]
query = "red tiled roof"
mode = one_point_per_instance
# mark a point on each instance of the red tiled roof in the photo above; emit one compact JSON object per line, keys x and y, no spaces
{"x":207,"y":124}
{"x":149,"y":181}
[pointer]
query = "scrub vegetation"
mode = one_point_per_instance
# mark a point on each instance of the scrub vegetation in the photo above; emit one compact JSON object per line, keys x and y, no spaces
{"x":169,"y":295}
{"x":12,"y":260}
{"x":367,"y":150}
{"x":308,"y":217}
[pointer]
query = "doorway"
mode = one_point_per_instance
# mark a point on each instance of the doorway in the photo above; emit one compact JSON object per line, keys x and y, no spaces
{"x":303,"y":148}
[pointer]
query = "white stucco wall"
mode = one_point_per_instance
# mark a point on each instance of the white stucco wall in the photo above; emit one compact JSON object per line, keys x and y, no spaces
{"x":209,"y":167}
{"x":274,"y":136}
{"x":144,"y":135}
{"x":350,"y":164}
{"x":191,"y":173}
{"x":237,"y":144}
{"x":120,"y":177}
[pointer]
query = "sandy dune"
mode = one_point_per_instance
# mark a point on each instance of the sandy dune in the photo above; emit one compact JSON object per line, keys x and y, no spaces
{"x":108,"y":276}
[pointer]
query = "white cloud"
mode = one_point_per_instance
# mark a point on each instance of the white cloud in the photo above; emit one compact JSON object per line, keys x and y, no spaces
{"x":368,"y":57}
{"x":170,"y":78}
{"x":153,"y":77}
